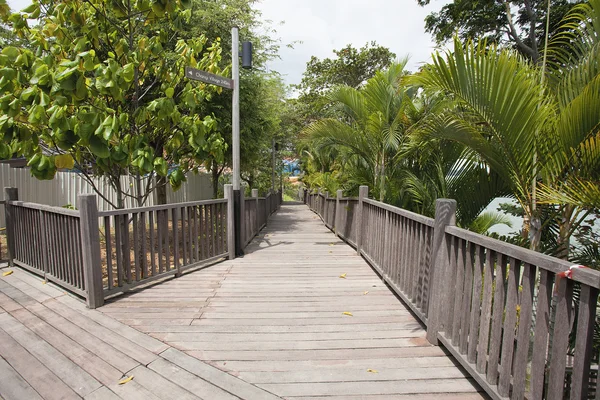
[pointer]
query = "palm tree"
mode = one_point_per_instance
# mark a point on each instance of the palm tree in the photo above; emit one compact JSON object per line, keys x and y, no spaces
{"x":499,"y":110}
{"x":574,"y":80}
{"x":372,"y":127}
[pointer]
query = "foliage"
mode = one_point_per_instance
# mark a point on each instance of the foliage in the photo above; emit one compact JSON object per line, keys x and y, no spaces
{"x":105,"y":84}
{"x":524,"y":28}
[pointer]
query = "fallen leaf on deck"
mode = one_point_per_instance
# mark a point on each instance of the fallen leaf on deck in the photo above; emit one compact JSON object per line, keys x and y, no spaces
{"x":373,"y":371}
{"x":347,"y":313}
{"x":343,"y":276}
{"x":44,"y":282}
{"x":330,"y":251}
{"x":124,"y":381}
{"x":7,"y":273}
{"x":331,"y":244}
{"x":367,"y":292}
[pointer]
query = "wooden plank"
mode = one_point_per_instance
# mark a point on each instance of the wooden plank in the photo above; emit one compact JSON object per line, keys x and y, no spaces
{"x":584,"y":342}
{"x":102,"y":393}
{"x":44,"y":381}
{"x":560,"y":344}
{"x":120,"y":343}
{"x":540,"y":337}
{"x":459,"y":293}
{"x":106,"y":352}
{"x":497,"y":319}
{"x":13,"y":386}
{"x":510,"y":322}
{"x":159,"y":386}
{"x":70,"y":373}
{"x":476,"y":304}
{"x":135,"y":336}
{"x":523,"y":334}
{"x":486,"y":311}
{"x":217,"y":377}
{"x":189,"y":381}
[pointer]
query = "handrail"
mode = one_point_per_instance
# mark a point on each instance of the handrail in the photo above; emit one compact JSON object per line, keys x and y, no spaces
{"x":160,"y":207}
{"x":504,"y":312}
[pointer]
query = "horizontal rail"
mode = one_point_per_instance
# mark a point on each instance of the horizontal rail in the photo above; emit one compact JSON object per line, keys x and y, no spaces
{"x":544,"y":261}
{"x":405,"y":213}
{"x":43,"y":207}
{"x":159,"y":207}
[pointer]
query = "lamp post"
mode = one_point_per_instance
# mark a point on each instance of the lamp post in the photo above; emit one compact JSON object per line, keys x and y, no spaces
{"x":235,"y":127}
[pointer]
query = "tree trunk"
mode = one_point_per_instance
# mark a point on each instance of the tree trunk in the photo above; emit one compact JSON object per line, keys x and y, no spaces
{"x":215,"y":178}
{"x":382,"y":179}
{"x":535,"y":233}
{"x":564,"y":234}
{"x":161,"y":190}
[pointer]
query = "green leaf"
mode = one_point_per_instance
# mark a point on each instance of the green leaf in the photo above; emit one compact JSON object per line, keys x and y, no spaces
{"x":99,"y":148}
{"x":128,"y":72}
{"x":170,"y":92}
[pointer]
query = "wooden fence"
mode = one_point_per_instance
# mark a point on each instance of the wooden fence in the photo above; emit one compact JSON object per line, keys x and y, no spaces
{"x":66,"y":186}
{"x":521,"y":323}
{"x":97,"y":254}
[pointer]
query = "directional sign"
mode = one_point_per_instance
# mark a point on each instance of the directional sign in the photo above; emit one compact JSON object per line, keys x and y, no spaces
{"x":207,"y":77}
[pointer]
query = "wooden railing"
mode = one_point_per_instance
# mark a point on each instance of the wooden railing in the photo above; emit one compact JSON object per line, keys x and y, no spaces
{"x":143,"y":244}
{"x":31,"y":227}
{"x":521,"y":323}
{"x":99,"y":254}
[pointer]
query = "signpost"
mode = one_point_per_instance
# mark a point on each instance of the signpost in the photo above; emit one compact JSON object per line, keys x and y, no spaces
{"x":232,"y":84}
{"x":207,"y":77}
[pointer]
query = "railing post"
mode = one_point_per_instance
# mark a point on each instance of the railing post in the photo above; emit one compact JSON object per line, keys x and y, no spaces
{"x":228,"y":189}
{"x":10,"y":194}
{"x":255,"y":197}
{"x":336,"y":223}
{"x":90,"y":250}
{"x":363,"y":192}
{"x":439,"y":292}
{"x":325,"y":208}
{"x":242,"y":221}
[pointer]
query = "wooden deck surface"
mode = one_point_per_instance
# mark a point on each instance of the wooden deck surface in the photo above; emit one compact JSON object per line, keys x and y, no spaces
{"x":266,"y":326}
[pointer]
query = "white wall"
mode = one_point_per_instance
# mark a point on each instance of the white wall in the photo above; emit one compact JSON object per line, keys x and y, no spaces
{"x":66,"y":186}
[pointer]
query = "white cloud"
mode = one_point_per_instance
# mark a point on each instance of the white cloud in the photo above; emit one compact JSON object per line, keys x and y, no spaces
{"x":325,"y":25}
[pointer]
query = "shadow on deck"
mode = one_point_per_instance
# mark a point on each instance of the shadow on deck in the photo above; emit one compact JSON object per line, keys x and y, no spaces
{"x":300,"y":316}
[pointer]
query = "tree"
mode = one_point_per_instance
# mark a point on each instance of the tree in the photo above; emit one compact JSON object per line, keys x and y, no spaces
{"x":104,"y":89}
{"x":351,"y":67}
{"x":377,"y":119}
{"x":517,"y":24}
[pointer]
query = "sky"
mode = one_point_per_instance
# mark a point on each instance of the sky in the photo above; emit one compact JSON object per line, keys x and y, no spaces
{"x":324,"y":25}
{"x":317,"y":27}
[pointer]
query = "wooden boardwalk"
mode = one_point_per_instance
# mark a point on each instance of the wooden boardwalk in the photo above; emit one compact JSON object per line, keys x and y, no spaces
{"x":266,"y":326}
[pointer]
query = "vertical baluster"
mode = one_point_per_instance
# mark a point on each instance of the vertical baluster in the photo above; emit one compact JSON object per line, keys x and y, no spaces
{"x":476,"y":306}
{"x":109,"y":259}
{"x":175,"y":216}
{"x":486,"y":311}
{"x":167,"y":236}
{"x":197,"y":239}
{"x":497,"y":317}
{"x":190,"y":233}
{"x":584,"y":342}
{"x":137,"y":257}
{"x":213,"y":251}
{"x":144,"y":258}
{"x":510,"y":322}
{"x":542,"y":328}
{"x":451,"y":285}
{"x":119,"y":249}
{"x":560,"y":338}
{"x":524,"y":334}
{"x":160,"y":238}
{"x":459,"y":266}
{"x":152,"y":243}
{"x":126,"y":248}
{"x":184,"y":236}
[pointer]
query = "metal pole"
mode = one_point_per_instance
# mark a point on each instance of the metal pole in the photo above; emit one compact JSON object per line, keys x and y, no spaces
{"x":235,"y":74}
{"x":273,"y":166}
